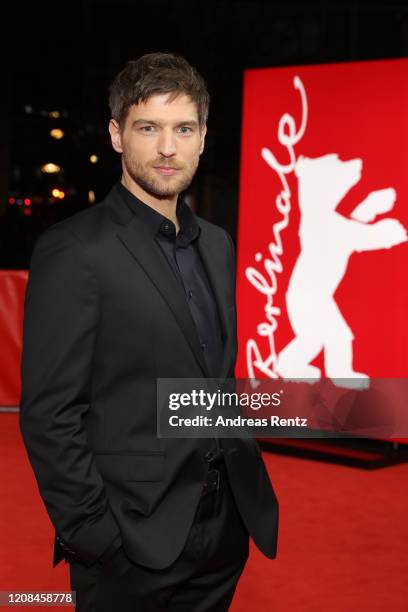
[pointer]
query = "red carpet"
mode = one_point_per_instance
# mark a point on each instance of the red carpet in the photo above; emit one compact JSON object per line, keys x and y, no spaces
{"x":342,"y":548}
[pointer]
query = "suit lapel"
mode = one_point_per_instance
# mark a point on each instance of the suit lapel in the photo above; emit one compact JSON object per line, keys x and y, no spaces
{"x":216,"y":268}
{"x":149,"y":255}
{"x":153,"y":261}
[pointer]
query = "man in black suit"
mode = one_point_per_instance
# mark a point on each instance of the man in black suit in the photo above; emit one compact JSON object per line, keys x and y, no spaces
{"x":134,"y":289}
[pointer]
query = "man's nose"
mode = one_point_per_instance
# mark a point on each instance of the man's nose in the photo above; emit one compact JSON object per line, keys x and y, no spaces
{"x":167,"y":143}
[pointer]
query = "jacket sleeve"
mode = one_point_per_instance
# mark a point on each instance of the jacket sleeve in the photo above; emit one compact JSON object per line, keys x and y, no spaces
{"x":59,"y":335}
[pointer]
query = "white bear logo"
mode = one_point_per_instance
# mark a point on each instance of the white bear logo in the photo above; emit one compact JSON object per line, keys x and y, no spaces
{"x":327,"y":240}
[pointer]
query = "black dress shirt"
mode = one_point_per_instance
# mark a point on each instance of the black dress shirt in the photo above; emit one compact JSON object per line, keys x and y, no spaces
{"x":185,"y":261}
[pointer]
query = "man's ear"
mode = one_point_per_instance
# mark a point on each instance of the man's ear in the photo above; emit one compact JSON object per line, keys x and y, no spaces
{"x":203,"y":132}
{"x":116,"y":137}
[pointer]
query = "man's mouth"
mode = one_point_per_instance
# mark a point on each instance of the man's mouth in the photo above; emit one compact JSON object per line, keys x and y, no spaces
{"x":166,"y":170}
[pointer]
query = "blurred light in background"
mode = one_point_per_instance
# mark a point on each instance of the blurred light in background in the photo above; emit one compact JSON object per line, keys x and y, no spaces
{"x":94,"y":159}
{"x":58,"y":193}
{"x":57,"y":133}
{"x":91,"y":197}
{"x":50,"y":168}
{"x":54,"y":114}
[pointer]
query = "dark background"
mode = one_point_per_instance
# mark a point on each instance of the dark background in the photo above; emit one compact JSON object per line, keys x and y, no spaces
{"x":61,"y":56}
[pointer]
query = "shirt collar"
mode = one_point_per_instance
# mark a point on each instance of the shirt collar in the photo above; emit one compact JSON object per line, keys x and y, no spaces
{"x":156,"y":222}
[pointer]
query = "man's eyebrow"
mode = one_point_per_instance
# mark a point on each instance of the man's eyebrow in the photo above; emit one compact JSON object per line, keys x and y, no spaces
{"x":189,"y":122}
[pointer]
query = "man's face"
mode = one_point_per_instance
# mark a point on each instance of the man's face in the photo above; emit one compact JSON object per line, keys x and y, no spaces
{"x":161,"y":143}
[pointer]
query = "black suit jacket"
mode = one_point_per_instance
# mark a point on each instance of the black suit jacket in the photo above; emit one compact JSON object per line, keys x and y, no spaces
{"x":104,"y":317}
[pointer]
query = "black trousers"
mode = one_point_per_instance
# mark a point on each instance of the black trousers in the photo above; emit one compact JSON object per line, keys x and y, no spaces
{"x":202,"y":579}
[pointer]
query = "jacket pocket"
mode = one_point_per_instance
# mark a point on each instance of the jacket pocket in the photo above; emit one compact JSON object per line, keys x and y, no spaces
{"x":131,"y":467}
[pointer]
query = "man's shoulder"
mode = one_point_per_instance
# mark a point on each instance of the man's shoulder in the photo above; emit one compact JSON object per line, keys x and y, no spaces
{"x":85,"y":225}
{"x":213,"y":231}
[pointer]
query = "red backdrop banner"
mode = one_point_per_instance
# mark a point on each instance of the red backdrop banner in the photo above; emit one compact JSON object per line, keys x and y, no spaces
{"x":12,"y":291}
{"x":322,"y":248}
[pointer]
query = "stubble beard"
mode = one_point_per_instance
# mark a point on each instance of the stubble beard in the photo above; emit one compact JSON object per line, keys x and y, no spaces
{"x":163,"y":188}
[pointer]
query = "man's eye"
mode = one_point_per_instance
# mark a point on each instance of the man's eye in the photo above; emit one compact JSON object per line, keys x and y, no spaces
{"x":147,"y":128}
{"x":184,"y":129}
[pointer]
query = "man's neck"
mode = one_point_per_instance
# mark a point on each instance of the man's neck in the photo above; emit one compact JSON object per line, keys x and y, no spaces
{"x":166,"y":207}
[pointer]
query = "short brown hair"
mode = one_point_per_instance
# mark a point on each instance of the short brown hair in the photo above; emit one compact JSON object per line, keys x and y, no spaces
{"x":153,"y":74}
